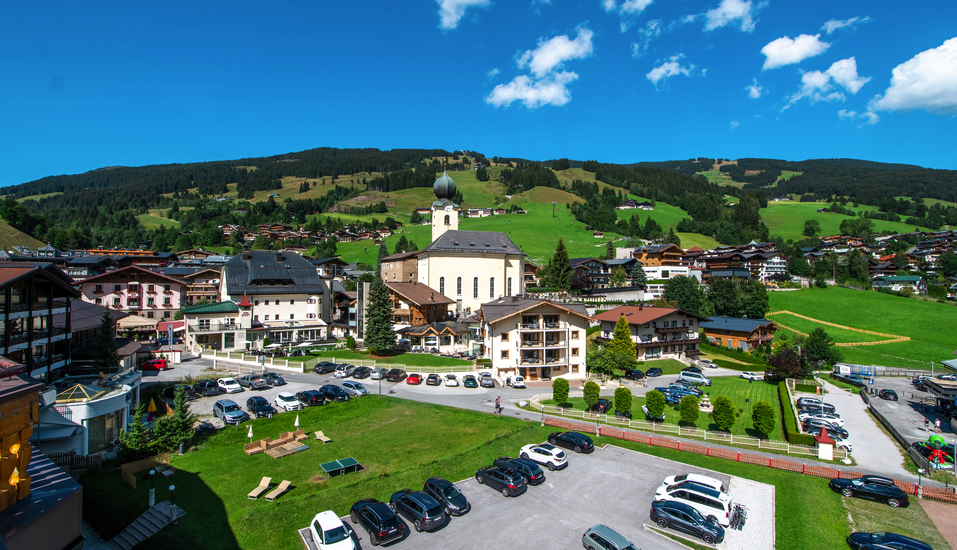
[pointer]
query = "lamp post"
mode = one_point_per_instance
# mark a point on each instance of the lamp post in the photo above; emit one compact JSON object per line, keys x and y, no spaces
{"x":152,"y":491}
{"x":172,"y":507}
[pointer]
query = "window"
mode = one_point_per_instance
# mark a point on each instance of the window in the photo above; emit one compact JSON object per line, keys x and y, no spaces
{"x":149,"y":314}
{"x":292,"y":302}
{"x":674,"y":323}
{"x":256,"y":318}
{"x":441,"y":285}
{"x":292,"y":315}
{"x":98,"y":301}
{"x":448,"y":220}
{"x":98,"y":289}
{"x":167,"y":314}
{"x":574,"y":335}
{"x":691,"y":323}
{"x":167,"y":301}
{"x":475,"y":287}
{"x":508,"y":288}
{"x":116,"y":302}
{"x":491,"y":287}
{"x":149,"y":288}
{"x":167,"y":288}
{"x":458,"y":286}
{"x":256,"y":303}
{"x":505,"y":354}
{"x":505,"y":337}
{"x":574,"y":352}
{"x":267,"y":317}
{"x":574,"y":368}
{"x":116,"y":288}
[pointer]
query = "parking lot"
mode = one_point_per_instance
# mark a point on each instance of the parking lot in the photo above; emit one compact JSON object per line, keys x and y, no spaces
{"x":612,"y":486}
{"x":906,"y":414}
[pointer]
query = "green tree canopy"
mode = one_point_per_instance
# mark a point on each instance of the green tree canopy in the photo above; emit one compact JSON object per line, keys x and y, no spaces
{"x":591,"y":392}
{"x":621,"y":341}
{"x":723,"y":414}
{"x":560,"y":391}
{"x":619,"y":277}
{"x":604,"y":361}
{"x":819,"y":348}
{"x":379,"y":335}
{"x":689,"y":409}
{"x":107,"y":358}
{"x":559,"y":272}
{"x":655,"y":401}
{"x":623,"y":399}
{"x":762,"y":417}
{"x":689,"y":295}
{"x":811,"y":228}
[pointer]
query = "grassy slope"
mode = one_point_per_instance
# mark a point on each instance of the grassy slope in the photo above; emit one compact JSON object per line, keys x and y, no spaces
{"x":930,"y":325}
{"x":787,"y":219}
{"x":11,"y":236}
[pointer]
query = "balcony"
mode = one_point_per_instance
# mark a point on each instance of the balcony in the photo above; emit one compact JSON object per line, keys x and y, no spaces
{"x":554,"y":343}
{"x":666,"y":330}
{"x":213,"y":327}
{"x":530,"y":326}
{"x":531,"y":343}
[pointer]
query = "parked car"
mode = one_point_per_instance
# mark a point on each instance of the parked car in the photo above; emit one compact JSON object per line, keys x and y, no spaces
{"x":329,"y":533}
{"x":653,"y":372}
{"x":756,"y":376}
{"x":378,"y":374}
{"x":685,"y":386}
{"x":692,"y":368}
{"x":837,"y":434}
{"x":229,"y":385}
{"x":252,"y":381}
{"x":170,"y":392}
{"x":229,"y":412}
{"x":155,"y":364}
{"x":833,"y":430}
{"x":433,"y":380}
{"x":206,"y":388}
{"x":572,"y":440}
{"x":344,"y":370}
{"x":682,"y":517}
{"x":273,"y":379}
{"x":602,"y":406}
{"x":872,"y":487}
{"x":334,"y":393}
{"x":325,"y":367}
{"x":518,"y":382}
{"x":511,"y":484}
{"x":947,"y":376}
{"x":422,"y":510}
{"x":259,"y":407}
{"x":378,"y":519}
{"x":705,"y":363}
{"x":362,"y":372}
{"x":814,"y":403}
{"x":354,"y":389}
{"x":880,"y":541}
{"x":889,"y":395}
{"x":414,"y":379}
{"x":469,"y":381}
{"x":547,"y":454}
{"x":829,"y":418}
{"x":695,"y":378}
{"x":487,"y":382}
{"x":287,"y":402}
{"x":601,"y":537}
{"x":634,"y":374}
{"x":925,"y":450}
{"x":395,"y":375}
{"x":451,"y":381}
{"x":448,"y":495}
{"x":713,"y":505}
{"x":530,"y":471}
{"x":695,"y":478}
{"x":311,"y":398}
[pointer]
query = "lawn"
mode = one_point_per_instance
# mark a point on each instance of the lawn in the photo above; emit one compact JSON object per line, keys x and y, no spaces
{"x":840,"y":335}
{"x":912,"y":521}
{"x":787,"y":219}
{"x":11,"y":236}
{"x":930,"y":325}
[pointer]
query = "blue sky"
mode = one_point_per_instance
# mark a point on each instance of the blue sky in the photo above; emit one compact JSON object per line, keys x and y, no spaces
{"x":87,"y":85}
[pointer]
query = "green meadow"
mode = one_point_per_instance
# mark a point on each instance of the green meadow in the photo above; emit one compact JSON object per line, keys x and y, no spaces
{"x":787,"y":219}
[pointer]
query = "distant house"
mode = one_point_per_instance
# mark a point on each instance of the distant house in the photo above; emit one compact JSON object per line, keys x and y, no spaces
{"x":658,"y":332}
{"x":898,"y":282}
{"x":738,"y":332}
{"x":599,"y":234}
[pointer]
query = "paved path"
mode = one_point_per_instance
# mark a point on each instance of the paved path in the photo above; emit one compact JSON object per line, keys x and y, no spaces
{"x":942,"y":514}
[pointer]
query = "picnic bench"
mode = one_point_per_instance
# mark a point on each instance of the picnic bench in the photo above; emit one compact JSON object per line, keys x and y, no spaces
{"x":341,"y":466}
{"x":266,"y":444}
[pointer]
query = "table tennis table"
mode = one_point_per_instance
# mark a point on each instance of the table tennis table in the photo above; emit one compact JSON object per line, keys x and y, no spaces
{"x":341,"y":466}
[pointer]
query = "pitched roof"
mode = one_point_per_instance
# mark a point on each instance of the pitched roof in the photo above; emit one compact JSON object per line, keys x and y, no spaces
{"x":218,"y":307}
{"x":267,"y":272}
{"x":418,"y":294}
{"x":736,"y":324}
{"x":474,"y":242}
{"x":129,"y":268}
{"x":438,"y":329}
{"x":86,"y":315}
{"x":11,"y":273}
{"x":400,"y":256}
{"x":639,"y":315}
{"x":508,"y":306}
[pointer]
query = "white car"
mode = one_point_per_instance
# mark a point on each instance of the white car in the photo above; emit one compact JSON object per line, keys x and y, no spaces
{"x":695,"y":478}
{"x":545,"y":453}
{"x":518,"y":382}
{"x":451,"y":381}
{"x":328,"y":532}
{"x":354,"y":388}
{"x":757,"y":376}
{"x":229,"y":385}
{"x":829,"y":418}
{"x":713,"y":505}
{"x":695,"y":378}
{"x":706,"y":363}
{"x":378,"y":374}
{"x":287,"y":401}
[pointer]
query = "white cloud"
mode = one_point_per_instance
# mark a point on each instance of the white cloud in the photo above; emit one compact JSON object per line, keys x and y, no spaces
{"x":628,"y":10}
{"x":754,"y":90}
{"x":871,"y":117}
{"x":836,"y":24}
{"x":668,"y":69}
{"x":731,"y":11}
{"x":844,"y":114}
{"x":609,"y":5}
{"x":735,"y":124}
{"x":646,"y":34}
{"x":818,"y":86}
{"x":785,"y":51}
{"x":844,"y":72}
{"x":533,"y":93}
{"x":927,"y":81}
{"x":452,"y":11}
{"x":553,"y":52}
{"x":493,"y":73}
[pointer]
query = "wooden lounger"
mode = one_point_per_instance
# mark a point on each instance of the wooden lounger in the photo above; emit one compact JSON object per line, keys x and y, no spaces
{"x":258,"y":491}
{"x":283,"y":487}
{"x":322,"y":437}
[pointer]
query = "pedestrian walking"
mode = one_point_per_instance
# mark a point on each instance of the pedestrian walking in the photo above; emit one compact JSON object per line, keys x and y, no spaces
{"x":498,"y":405}
{"x":926,"y":425}
{"x":937,"y":425}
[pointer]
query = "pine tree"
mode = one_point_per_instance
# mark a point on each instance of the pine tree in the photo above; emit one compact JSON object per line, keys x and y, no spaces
{"x":106,"y":359}
{"x":621,"y":341}
{"x":175,"y":429}
{"x":135,"y":440}
{"x":560,"y":270}
{"x":638,"y":277}
{"x":379,"y":335}
{"x":609,"y":250}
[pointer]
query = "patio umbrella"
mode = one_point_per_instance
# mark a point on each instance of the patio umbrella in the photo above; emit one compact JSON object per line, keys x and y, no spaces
{"x":250,"y":434}
{"x":273,"y":346}
{"x":151,"y":409}
{"x":296,"y":424}
{"x":304,"y":345}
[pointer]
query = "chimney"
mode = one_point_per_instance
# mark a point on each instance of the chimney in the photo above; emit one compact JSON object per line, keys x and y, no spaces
{"x":641,"y":305}
{"x":246,"y":256}
{"x":278,"y":256}
{"x":432,"y":297}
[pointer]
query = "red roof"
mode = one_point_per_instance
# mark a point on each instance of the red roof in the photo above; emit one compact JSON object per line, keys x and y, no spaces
{"x":822,"y":438}
{"x":639,"y":315}
{"x":244,"y":302}
{"x":164,"y":326}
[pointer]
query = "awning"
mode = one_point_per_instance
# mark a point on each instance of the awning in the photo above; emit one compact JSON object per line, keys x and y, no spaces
{"x":52,"y":425}
{"x":270,"y":346}
{"x":134,"y":322}
{"x":79,"y":392}
{"x":178,"y":326}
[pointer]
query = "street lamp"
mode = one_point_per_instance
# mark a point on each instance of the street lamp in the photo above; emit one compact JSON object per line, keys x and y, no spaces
{"x":152,"y":491}
{"x":172,"y":507}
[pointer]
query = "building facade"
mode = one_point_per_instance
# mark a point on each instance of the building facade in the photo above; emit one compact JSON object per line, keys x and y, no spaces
{"x":136,"y":290}
{"x":658,"y":332}
{"x":739,"y":333}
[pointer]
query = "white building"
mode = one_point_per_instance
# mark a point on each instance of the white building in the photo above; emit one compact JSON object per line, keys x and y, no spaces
{"x":658,"y":275}
{"x":658,"y":332}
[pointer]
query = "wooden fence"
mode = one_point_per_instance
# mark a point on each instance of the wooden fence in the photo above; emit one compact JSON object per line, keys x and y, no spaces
{"x":74,"y":461}
{"x":129,"y":469}
{"x":921,"y":491}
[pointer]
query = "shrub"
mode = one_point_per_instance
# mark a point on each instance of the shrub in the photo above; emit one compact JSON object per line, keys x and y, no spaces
{"x":723,"y":414}
{"x":560,"y":390}
{"x":762,"y":417}
{"x":351,"y":343}
{"x":655,"y":401}
{"x":807,"y":388}
{"x":791,"y":432}
{"x":689,"y":409}
{"x":591,"y":392}
{"x":623,"y":400}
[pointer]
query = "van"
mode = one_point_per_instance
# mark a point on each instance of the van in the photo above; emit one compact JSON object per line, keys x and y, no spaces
{"x":694,"y":378}
{"x":713,"y":505}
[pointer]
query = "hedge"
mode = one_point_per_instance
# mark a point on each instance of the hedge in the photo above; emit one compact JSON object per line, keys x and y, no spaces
{"x":807,"y":388}
{"x":791,"y":432}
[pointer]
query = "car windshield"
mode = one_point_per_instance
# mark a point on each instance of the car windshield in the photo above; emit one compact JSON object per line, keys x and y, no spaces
{"x":229,"y":382}
{"x":337,"y":534}
{"x":696,"y":515}
{"x":231,"y":408}
{"x":630,"y":547}
{"x":878,"y":538}
{"x":451,"y":491}
{"x":857,"y":482}
{"x":287,"y":398}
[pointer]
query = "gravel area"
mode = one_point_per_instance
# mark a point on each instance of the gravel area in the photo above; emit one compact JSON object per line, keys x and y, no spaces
{"x":758,"y":530}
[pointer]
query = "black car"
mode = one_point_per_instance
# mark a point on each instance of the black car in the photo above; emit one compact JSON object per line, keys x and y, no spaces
{"x":170,"y":392}
{"x":634,"y":374}
{"x":469,"y":381}
{"x":325,"y":367}
{"x":692,"y":368}
{"x":653,"y":372}
{"x":273,"y":379}
{"x":889,"y":395}
{"x":422,"y":510}
{"x":433,"y":380}
{"x":530,"y":470}
{"x":869,"y":541}
{"x":873,"y":488}
{"x":815,"y":424}
{"x":334,"y":393}
{"x":602,"y":406}
{"x":572,"y":440}
{"x":448,"y":495}
{"x":396,"y":375}
{"x":362,"y":372}
{"x":259,"y":407}
{"x":378,"y":519}
{"x":206,"y":388}
{"x":511,"y":484}
{"x":311,"y":398}
{"x":682,"y":517}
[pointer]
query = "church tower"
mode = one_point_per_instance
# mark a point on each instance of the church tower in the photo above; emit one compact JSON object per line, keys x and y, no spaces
{"x":445,"y":213}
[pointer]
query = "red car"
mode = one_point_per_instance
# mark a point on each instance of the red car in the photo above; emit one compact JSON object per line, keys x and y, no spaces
{"x":155,"y":364}
{"x":414,"y":379}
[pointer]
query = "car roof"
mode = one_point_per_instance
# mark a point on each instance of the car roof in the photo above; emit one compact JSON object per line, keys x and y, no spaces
{"x":328,"y":520}
{"x":439,"y":482}
{"x":611,"y":535}
{"x":257,"y":399}
{"x":226,"y":402}
{"x":285,"y":394}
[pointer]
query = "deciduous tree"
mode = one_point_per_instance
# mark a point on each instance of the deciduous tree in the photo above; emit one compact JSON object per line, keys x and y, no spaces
{"x":689,"y":295}
{"x":724,"y":413}
{"x":560,"y":391}
{"x":591,"y":392}
{"x":689,"y":409}
{"x":623,"y":399}
{"x":655,"y":401}
{"x":762,"y":417}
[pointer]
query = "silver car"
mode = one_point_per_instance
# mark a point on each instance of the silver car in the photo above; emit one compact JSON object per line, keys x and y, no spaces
{"x":378,"y":374}
{"x":354,"y":388}
{"x":601,"y":537}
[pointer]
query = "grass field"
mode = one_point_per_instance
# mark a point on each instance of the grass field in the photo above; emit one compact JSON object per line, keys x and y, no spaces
{"x":930,"y":325}
{"x":11,"y":236}
{"x":38,"y":197}
{"x":838,"y":334}
{"x":787,"y":219}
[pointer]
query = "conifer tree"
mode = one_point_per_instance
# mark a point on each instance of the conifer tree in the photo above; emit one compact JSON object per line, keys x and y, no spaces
{"x":107,"y":359}
{"x":379,"y":335}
